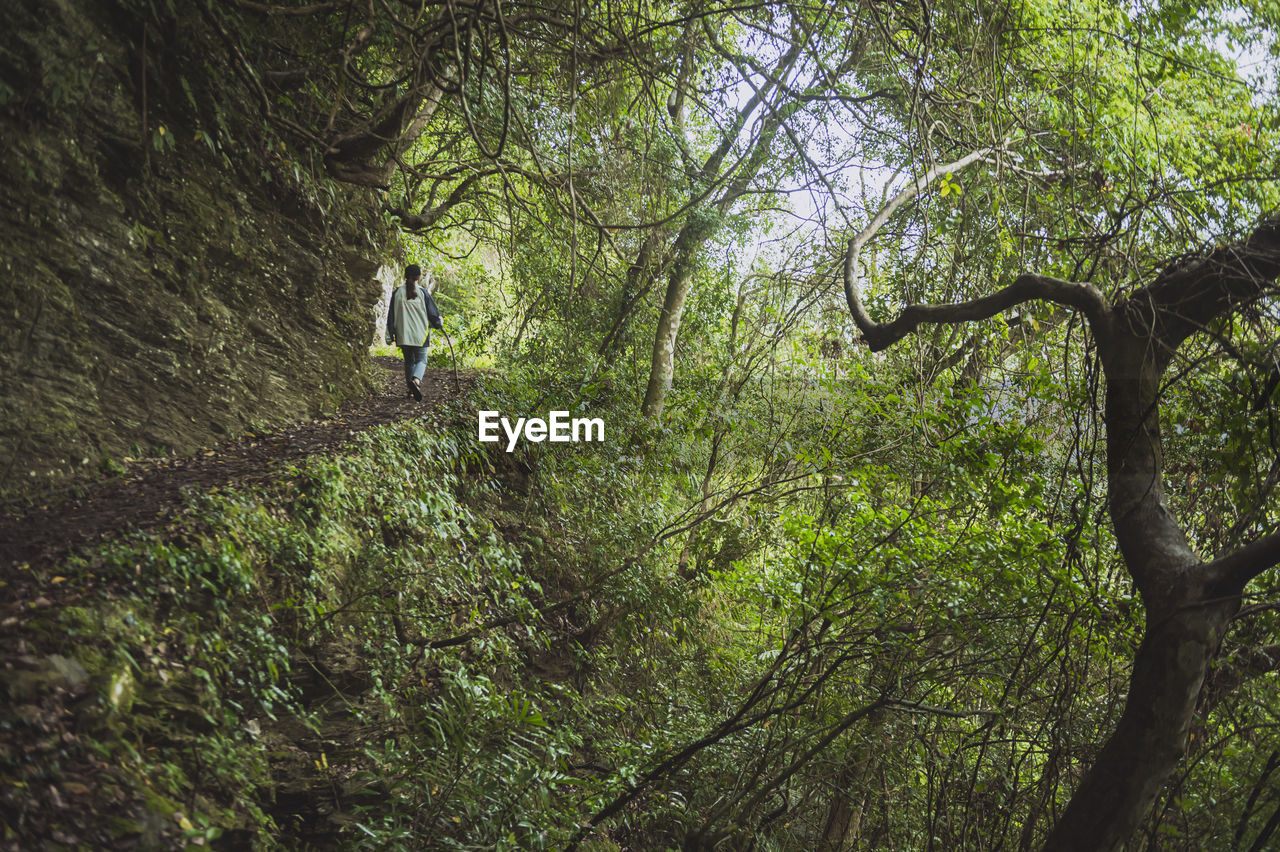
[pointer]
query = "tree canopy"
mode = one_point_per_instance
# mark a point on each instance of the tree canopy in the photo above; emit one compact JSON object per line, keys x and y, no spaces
{"x":951,"y":337}
{"x":1075,"y":203}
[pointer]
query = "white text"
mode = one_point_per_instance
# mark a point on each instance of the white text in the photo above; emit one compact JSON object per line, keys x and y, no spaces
{"x":557,"y":428}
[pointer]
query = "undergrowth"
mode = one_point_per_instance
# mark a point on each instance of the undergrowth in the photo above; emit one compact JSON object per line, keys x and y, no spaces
{"x":395,"y":647}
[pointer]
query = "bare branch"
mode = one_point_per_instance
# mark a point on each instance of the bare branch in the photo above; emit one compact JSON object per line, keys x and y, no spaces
{"x":852,"y":289}
{"x":1229,"y":574}
{"x":1027,"y":288}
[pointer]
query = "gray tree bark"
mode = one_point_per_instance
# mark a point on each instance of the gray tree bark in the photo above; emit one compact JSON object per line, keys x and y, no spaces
{"x":1189,"y":602}
{"x":704,"y":220}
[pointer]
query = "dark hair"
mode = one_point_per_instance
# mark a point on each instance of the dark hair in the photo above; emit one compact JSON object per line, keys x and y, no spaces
{"x":412,"y":273}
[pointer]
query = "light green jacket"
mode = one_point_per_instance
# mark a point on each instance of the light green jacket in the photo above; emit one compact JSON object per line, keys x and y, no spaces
{"x":410,"y":320}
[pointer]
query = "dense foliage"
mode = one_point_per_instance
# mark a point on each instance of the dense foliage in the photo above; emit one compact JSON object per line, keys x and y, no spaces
{"x":804,"y":596}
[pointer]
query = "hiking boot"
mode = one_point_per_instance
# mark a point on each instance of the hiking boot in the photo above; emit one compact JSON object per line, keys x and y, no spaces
{"x":416,"y":389}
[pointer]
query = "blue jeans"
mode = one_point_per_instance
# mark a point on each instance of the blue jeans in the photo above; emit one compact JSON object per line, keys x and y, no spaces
{"x":415,"y":363}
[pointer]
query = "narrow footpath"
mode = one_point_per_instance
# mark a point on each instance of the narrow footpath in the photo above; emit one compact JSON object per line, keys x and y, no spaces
{"x":58,"y":790}
{"x":142,"y":496}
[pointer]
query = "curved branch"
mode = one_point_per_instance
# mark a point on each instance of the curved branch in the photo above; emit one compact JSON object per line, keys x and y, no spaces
{"x":427,"y":218}
{"x":860,"y":239}
{"x":1229,"y":574}
{"x":1027,"y":288}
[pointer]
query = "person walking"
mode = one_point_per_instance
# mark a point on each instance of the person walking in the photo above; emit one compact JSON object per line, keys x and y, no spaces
{"x":410,"y":317}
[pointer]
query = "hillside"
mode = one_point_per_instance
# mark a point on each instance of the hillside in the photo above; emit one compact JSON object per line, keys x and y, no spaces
{"x":854,"y":425}
{"x":171,"y":277}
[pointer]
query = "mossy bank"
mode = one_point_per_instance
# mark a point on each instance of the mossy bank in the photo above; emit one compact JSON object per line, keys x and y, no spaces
{"x":172,"y":271}
{"x":407,"y":644}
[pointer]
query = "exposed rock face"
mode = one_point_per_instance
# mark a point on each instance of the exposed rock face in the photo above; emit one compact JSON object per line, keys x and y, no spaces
{"x":161,"y":289}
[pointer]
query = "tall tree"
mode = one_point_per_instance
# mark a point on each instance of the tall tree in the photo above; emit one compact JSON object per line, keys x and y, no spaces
{"x":1189,"y":601}
{"x":1146,"y":339}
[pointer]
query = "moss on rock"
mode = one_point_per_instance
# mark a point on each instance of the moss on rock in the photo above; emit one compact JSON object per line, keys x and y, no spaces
{"x":158,"y":300}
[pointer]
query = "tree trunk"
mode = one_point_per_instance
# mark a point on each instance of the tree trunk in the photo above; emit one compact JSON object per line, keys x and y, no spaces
{"x":662,"y":367}
{"x":703,"y":222}
{"x":1185,"y":619}
{"x":1151,"y":737}
{"x":844,"y":816}
{"x":634,"y":288}
{"x":1189,"y":603}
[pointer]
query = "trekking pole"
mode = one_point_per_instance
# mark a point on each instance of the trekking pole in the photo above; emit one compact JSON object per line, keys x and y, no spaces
{"x":457,"y":386}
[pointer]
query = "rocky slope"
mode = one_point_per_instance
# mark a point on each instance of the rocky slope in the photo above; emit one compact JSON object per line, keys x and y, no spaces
{"x":173,"y":273}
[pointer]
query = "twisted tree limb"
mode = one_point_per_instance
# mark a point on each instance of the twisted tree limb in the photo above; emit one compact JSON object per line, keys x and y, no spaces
{"x":1189,"y":603}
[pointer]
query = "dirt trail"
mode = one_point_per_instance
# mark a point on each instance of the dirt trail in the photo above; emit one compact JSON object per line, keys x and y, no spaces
{"x":70,"y":797}
{"x":42,"y":534}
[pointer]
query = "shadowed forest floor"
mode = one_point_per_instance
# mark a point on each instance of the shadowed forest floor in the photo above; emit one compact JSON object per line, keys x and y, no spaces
{"x":37,"y":536}
{"x":42,"y":532}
